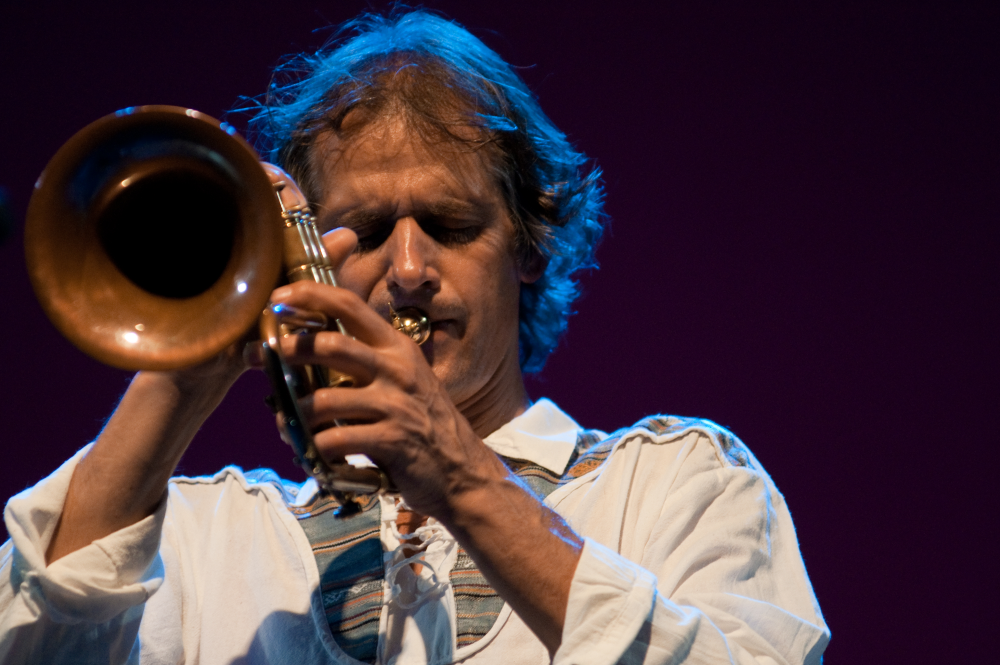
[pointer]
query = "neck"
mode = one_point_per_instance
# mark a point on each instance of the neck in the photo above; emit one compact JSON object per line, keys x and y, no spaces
{"x":498,"y":402}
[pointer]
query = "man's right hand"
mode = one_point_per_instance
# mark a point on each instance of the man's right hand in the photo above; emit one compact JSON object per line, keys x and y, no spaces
{"x":122,"y":478}
{"x":124,"y":475}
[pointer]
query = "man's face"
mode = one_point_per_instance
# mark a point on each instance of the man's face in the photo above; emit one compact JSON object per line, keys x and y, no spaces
{"x":434,"y":233}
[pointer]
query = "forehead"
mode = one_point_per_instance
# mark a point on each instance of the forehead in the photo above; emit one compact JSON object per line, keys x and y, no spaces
{"x":391,"y":158}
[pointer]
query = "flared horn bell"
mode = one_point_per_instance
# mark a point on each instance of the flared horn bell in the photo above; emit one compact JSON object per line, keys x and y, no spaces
{"x":154,"y":238}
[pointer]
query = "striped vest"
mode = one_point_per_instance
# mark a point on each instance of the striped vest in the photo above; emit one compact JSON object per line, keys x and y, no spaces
{"x":349,"y":558}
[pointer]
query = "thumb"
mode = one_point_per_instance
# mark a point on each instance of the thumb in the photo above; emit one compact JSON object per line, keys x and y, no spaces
{"x":340,"y":244}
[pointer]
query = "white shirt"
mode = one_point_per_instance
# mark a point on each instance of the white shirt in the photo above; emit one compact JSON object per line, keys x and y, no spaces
{"x":690,"y":556}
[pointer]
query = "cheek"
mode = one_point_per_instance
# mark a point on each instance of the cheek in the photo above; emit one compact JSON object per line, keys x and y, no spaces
{"x":496,"y":285}
{"x":497,"y":273}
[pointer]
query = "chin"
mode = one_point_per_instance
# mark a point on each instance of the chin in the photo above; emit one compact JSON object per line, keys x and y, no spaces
{"x":455,"y":377}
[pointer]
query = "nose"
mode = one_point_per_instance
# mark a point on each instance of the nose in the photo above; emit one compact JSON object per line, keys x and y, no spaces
{"x":411,"y":258}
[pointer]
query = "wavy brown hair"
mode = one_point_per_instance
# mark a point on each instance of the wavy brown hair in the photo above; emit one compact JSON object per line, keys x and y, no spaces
{"x":445,"y":82}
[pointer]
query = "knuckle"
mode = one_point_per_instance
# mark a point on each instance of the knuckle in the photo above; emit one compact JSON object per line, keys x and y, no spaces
{"x":316,"y":402}
{"x":302,"y":290}
{"x":330,"y":343}
{"x":329,"y":440}
{"x":399,"y":372}
{"x":409,"y":384}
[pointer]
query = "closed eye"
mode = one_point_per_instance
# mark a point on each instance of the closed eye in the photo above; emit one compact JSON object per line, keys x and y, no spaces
{"x":452,"y":236}
{"x":372,"y":236}
{"x":449,"y":222}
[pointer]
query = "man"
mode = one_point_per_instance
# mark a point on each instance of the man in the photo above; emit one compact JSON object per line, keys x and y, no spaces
{"x":442,"y":186}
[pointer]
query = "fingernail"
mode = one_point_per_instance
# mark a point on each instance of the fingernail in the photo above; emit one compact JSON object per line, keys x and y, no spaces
{"x":281,"y":293}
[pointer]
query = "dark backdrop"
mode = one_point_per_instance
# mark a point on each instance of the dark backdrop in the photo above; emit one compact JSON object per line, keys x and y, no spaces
{"x":804,"y":249}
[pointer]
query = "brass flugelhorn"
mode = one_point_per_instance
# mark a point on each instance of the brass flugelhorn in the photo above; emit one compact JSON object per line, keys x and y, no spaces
{"x":153,"y":240}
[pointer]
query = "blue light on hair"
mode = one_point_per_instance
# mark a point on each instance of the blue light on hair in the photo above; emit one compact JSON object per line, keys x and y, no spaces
{"x":442,"y":77}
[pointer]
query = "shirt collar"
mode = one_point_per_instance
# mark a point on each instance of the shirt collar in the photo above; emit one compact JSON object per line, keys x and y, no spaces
{"x":543,"y":435}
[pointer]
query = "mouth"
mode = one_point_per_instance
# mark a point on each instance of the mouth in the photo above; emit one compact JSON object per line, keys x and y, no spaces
{"x":412,"y":322}
{"x":443,"y":325}
{"x":436,"y":314}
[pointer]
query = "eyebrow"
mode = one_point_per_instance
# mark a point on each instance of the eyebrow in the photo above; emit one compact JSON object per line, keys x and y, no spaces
{"x":454,"y":207}
{"x":365,"y":215}
{"x":356,"y":218}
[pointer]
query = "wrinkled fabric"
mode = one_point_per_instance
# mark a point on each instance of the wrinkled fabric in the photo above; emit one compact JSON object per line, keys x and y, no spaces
{"x":690,"y":557}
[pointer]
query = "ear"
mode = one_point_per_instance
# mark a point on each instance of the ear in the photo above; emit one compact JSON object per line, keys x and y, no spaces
{"x":533,"y":270}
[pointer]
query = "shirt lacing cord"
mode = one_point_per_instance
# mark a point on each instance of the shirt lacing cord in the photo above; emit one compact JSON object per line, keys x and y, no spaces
{"x":421,"y":539}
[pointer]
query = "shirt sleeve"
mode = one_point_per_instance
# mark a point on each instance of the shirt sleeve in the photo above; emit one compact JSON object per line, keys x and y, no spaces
{"x":86,"y":607}
{"x":716,"y":578}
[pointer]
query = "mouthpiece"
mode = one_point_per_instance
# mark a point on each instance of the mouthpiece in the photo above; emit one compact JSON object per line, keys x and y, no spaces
{"x":412,"y":322}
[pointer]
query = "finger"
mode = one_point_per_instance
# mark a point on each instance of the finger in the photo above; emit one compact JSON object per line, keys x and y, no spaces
{"x":333,"y":350}
{"x":340,"y":244}
{"x":328,"y":405}
{"x":358,"y":318}
{"x":371,"y":439}
{"x":288,"y":191}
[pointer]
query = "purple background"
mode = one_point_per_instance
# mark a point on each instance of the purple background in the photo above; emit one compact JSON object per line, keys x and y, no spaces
{"x":804,"y":249}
